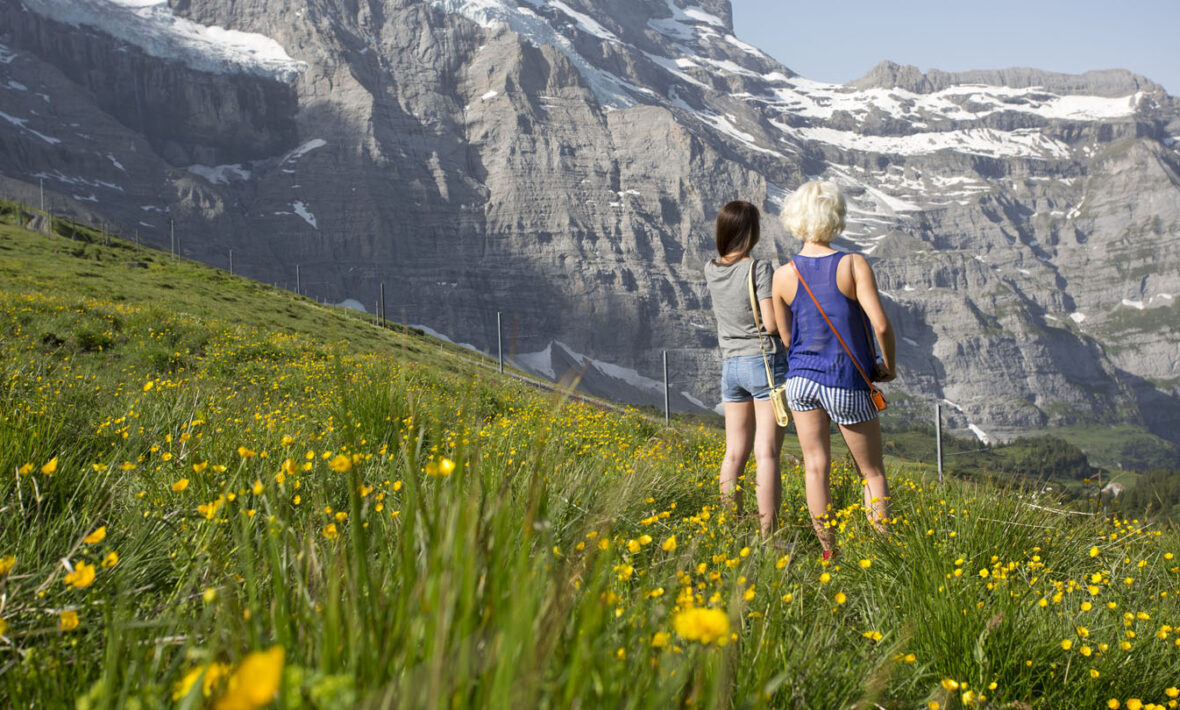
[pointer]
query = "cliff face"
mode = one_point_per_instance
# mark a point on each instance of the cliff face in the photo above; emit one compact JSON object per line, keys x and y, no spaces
{"x":187,"y":116}
{"x":562,"y":162}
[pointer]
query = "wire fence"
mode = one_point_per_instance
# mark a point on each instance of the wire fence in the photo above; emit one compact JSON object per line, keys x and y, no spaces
{"x":656,"y":390}
{"x":51,"y":224}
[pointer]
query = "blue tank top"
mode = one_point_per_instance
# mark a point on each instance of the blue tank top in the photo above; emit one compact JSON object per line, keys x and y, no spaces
{"x":815,"y":353}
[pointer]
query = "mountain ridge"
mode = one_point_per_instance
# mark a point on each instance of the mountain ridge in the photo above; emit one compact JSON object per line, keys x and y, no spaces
{"x":1107,"y":83}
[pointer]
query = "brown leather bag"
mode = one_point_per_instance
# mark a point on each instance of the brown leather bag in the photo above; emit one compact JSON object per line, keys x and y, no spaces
{"x":875,"y":393}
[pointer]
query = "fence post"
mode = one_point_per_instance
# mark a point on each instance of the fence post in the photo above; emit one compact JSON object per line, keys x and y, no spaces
{"x":172,"y":230}
{"x":500,"y":340}
{"x":298,"y":290}
{"x":382,"y":304}
{"x":42,"y":194}
{"x":667,"y":408}
{"x":938,"y":436}
{"x":231,"y":262}
{"x":137,"y":239}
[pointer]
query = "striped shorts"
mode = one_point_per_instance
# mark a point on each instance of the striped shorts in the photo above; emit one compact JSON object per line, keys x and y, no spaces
{"x":843,"y":405}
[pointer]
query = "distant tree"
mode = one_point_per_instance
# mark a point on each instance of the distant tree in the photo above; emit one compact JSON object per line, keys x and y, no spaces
{"x":1156,"y":492}
{"x":1047,"y":456}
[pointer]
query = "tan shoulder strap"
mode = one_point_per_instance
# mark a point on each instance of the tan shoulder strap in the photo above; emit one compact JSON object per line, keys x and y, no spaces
{"x":758,"y":323}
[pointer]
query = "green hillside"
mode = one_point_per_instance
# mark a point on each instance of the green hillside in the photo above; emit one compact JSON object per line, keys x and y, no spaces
{"x":217,"y":491}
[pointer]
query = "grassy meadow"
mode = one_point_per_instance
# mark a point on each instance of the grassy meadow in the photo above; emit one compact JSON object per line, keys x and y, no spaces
{"x":215,"y":494}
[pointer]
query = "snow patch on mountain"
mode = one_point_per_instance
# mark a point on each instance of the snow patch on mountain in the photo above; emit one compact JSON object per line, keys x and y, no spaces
{"x":302,"y":150}
{"x":820,"y":100}
{"x":301,"y":209}
{"x":20,"y":123}
{"x":353,"y":304}
{"x":1023,"y":143}
{"x":540,"y":362}
{"x":684,"y":23}
{"x":151,"y":26}
{"x":583,"y":21}
{"x":610,"y":90}
{"x":220,"y":174}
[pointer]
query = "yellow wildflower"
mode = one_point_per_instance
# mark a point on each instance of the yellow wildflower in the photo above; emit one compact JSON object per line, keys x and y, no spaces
{"x":50,"y":468}
{"x":111,"y":559}
{"x":254,"y":683}
{"x":708,"y":626}
{"x":81,"y":577}
{"x":340,"y":463}
{"x":68,"y":621}
{"x":330,"y":531}
{"x":7,"y":562}
{"x":210,"y":676}
{"x":180,"y":485}
{"x":97,"y":536}
{"x":669,"y":545}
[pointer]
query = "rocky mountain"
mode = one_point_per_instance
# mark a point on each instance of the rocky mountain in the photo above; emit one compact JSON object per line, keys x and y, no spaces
{"x":561,"y":162}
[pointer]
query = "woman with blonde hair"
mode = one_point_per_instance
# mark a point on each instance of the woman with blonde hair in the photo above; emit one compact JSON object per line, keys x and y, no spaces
{"x":826,"y":300}
{"x":745,"y":393}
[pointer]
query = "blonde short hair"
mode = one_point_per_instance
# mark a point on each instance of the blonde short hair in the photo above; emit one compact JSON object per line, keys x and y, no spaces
{"x":815,"y":212}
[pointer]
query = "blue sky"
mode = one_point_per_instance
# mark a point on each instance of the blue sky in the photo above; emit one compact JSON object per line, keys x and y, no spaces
{"x":838,"y":42}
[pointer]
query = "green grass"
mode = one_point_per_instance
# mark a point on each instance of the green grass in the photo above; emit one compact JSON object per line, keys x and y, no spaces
{"x":413,"y":531}
{"x":1121,"y":446}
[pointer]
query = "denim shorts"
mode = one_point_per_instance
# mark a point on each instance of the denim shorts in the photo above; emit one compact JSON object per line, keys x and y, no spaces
{"x":844,"y":406}
{"x":743,"y":378}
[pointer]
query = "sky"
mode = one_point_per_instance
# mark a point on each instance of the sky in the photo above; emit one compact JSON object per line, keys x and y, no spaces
{"x":838,"y":42}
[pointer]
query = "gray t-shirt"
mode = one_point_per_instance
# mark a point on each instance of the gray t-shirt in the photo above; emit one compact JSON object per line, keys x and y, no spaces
{"x":730,"y":291}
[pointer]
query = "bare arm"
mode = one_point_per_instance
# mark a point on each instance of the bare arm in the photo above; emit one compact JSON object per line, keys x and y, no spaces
{"x":769,"y":321}
{"x":782,"y":312}
{"x":870,"y":300}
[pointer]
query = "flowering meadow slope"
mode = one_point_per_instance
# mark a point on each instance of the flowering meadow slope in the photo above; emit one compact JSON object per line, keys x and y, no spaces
{"x":215,"y":494}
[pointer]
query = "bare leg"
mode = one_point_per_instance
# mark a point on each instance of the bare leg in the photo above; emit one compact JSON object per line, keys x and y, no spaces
{"x":739,"y":439}
{"x":864,"y":442}
{"x":813,"y":427}
{"x":768,"y":442}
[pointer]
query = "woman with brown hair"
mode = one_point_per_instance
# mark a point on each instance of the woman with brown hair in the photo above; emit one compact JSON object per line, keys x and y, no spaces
{"x":827,"y":300}
{"x":745,"y":393}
